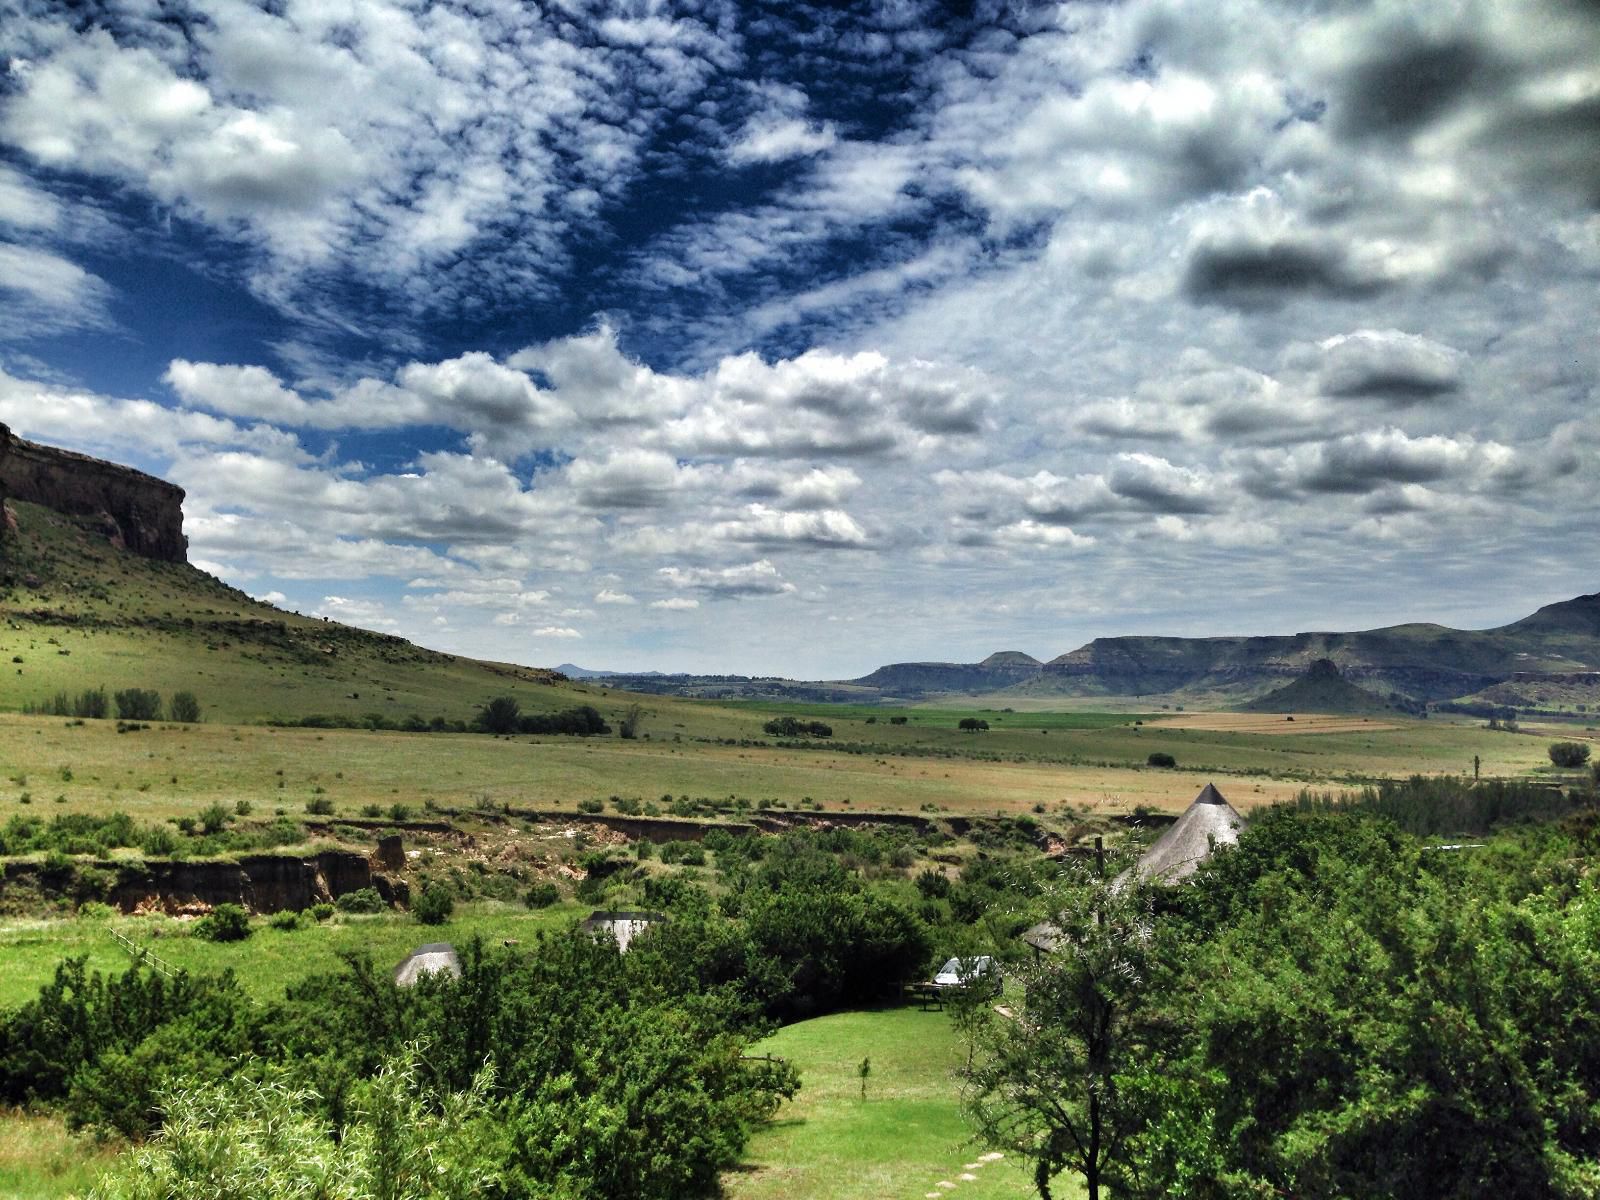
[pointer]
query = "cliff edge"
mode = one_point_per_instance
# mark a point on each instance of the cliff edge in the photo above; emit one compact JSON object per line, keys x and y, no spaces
{"x":137,"y":512}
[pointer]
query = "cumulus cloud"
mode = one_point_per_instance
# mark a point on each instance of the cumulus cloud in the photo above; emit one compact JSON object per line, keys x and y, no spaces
{"x":1399,"y":368}
{"x":43,"y":293}
{"x":760,"y":578}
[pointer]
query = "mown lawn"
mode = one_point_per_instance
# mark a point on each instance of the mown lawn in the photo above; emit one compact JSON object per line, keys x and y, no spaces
{"x":906,"y":1139}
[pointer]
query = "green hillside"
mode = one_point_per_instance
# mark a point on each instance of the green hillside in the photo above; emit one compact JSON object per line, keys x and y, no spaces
{"x":76,"y":612}
{"x":1322,"y":689}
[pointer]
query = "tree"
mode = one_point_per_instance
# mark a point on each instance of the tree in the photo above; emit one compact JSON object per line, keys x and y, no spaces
{"x":1044,"y":1083}
{"x":972,"y":724}
{"x":184,"y":708}
{"x":138,"y":704}
{"x":499,"y":715}
{"x":434,"y":906}
{"x":1569,"y":754}
{"x":628,"y":727}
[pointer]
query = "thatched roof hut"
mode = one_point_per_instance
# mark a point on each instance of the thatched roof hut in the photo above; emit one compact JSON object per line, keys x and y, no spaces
{"x":623,"y":926}
{"x":425,"y":960}
{"x":1210,"y":821}
{"x":1207,"y":823}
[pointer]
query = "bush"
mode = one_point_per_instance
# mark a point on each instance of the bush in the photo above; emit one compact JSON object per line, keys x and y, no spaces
{"x":934,"y":885}
{"x":225,"y":923}
{"x":91,"y":703}
{"x":591,"y":806}
{"x":794,"y":727}
{"x":434,"y":906}
{"x":542,"y":895}
{"x":138,"y":704}
{"x":364,"y":900}
{"x":319,"y":806}
{"x":184,"y":708}
{"x":689,"y":854}
{"x":321,"y":910}
{"x":897,"y":720}
{"x":286,"y":921}
{"x":972,"y":724}
{"x":1569,"y":754}
{"x":1159,"y":759}
{"x":213,"y":818}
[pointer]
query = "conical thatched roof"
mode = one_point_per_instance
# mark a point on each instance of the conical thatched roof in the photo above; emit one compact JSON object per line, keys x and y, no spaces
{"x":1206,"y":824}
{"x":424,"y":960}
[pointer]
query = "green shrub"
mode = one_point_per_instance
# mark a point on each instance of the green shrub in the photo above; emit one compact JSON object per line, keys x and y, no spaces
{"x":138,"y":704}
{"x":364,"y":900}
{"x":591,"y":806}
{"x":1159,"y":759}
{"x":690,"y":854}
{"x":319,"y":806}
{"x":321,"y":910}
{"x":225,"y":923}
{"x":92,"y":703}
{"x":1569,"y":754}
{"x":184,"y":708}
{"x":542,"y":895}
{"x":434,"y":906}
{"x":213,"y":818}
{"x":286,"y":921}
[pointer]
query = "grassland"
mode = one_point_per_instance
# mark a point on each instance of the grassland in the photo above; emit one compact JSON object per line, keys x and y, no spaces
{"x":269,"y":960}
{"x":174,"y":770}
{"x":906,"y":1139}
{"x":40,"y":1160}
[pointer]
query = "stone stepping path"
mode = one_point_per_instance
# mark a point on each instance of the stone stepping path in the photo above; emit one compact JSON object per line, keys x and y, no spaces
{"x":947,"y":1186}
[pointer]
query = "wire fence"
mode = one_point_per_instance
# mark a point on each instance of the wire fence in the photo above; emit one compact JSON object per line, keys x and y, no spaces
{"x":143,"y":954}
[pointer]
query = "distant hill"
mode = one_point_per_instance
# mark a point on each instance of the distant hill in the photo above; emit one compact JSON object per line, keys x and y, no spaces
{"x":1322,"y":689}
{"x":1555,"y":652}
{"x":999,"y":671}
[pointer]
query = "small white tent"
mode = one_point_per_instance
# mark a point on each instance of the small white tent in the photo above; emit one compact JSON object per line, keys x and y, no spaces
{"x":425,"y":960}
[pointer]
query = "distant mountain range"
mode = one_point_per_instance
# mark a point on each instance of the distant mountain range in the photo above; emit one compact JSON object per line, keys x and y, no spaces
{"x":1549,"y":660}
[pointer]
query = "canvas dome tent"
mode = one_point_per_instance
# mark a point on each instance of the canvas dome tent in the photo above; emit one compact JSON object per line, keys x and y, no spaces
{"x":425,"y":960}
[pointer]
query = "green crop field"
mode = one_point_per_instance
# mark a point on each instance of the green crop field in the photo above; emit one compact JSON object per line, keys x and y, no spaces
{"x":905,"y":1139}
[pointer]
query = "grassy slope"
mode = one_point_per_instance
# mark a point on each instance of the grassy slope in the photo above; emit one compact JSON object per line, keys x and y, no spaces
{"x":903,"y":1140}
{"x":40,"y":1160}
{"x":95,"y":615}
{"x":269,"y":960}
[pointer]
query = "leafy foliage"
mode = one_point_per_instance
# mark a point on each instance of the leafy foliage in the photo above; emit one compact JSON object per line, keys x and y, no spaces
{"x":1569,"y":754}
{"x":795,"y":727}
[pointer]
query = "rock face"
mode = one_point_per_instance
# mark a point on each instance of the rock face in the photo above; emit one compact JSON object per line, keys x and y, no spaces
{"x":263,"y":883}
{"x":137,"y":511}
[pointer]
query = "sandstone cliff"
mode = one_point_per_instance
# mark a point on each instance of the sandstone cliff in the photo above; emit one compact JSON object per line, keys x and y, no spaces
{"x":137,"y":512}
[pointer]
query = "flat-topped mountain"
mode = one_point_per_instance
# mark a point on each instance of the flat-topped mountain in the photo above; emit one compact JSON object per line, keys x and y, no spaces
{"x":135,"y":511}
{"x":1420,"y":663}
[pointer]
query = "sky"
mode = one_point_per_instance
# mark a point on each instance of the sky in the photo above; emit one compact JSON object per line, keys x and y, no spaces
{"x":777,"y":339}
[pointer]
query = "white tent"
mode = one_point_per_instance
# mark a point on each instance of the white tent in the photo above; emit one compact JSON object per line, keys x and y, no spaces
{"x":425,"y":960}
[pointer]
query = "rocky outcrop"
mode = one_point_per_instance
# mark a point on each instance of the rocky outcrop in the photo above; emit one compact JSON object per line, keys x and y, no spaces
{"x":137,"y":512}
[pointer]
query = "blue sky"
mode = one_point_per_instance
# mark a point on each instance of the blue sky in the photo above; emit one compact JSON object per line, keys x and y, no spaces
{"x":781,"y":339}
